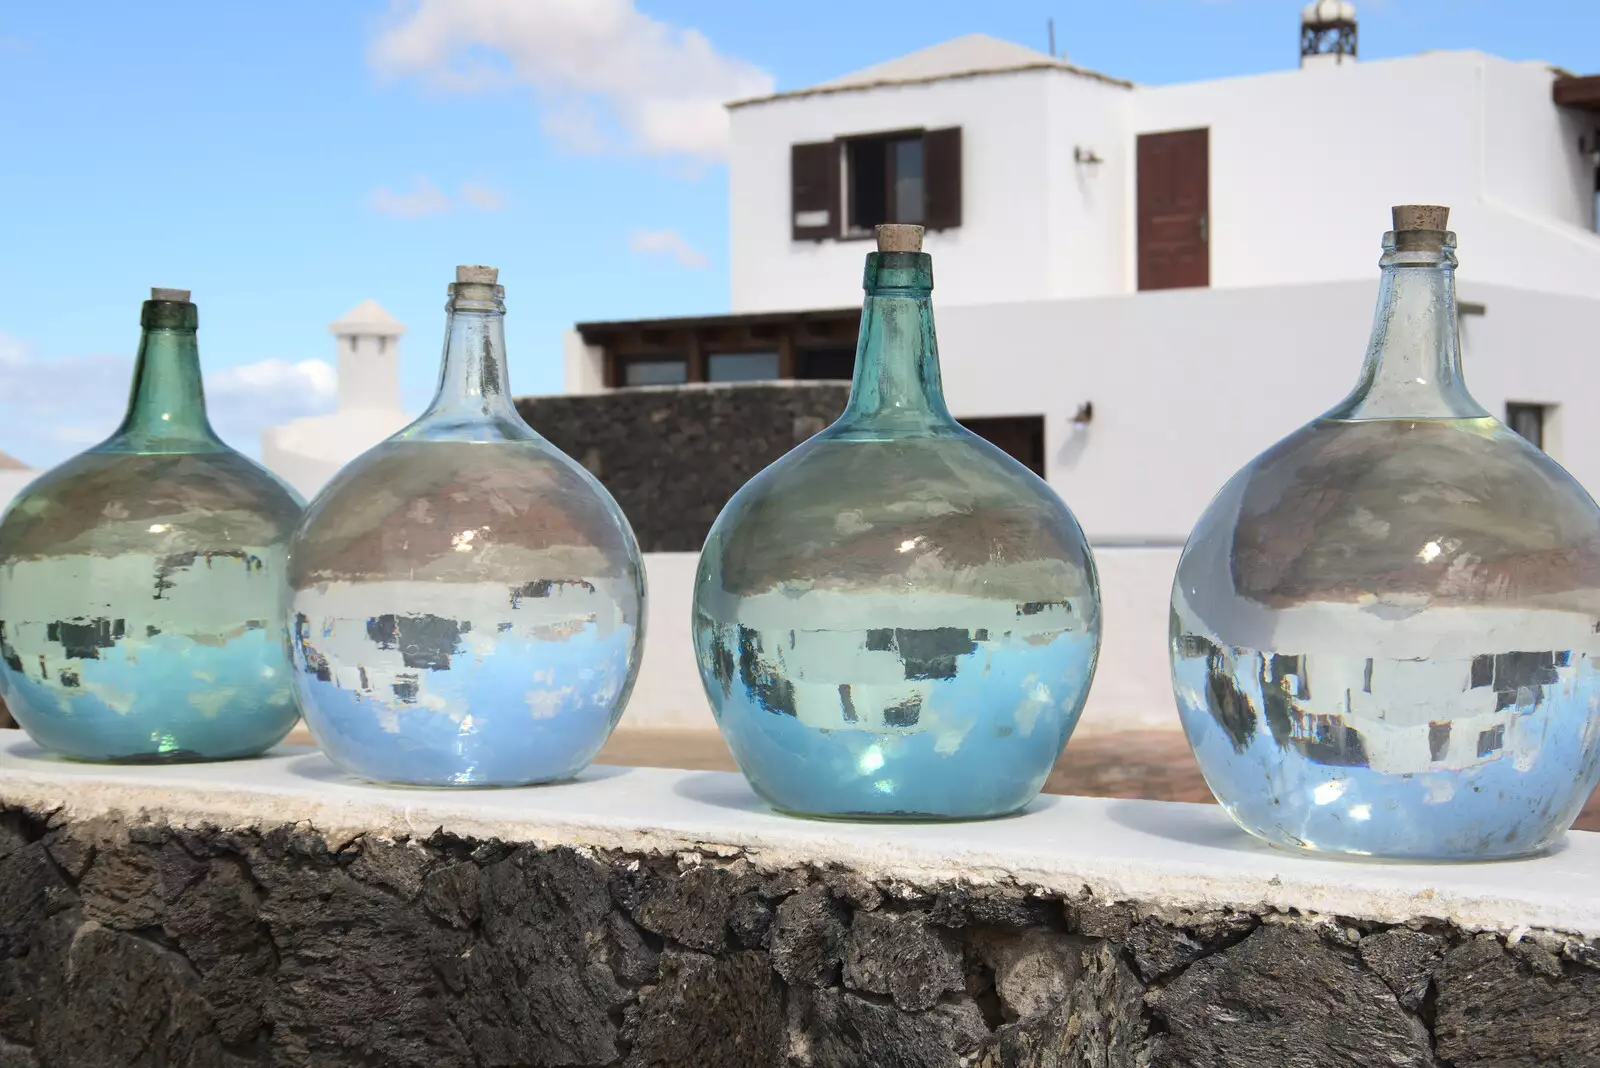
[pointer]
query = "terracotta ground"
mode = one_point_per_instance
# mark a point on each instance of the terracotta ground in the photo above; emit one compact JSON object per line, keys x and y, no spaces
{"x":1149,"y":764}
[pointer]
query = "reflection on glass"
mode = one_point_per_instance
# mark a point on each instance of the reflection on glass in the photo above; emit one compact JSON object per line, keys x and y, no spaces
{"x":140,"y":581}
{"x":1384,"y":629}
{"x":896,"y":620}
{"x":467,"y":602}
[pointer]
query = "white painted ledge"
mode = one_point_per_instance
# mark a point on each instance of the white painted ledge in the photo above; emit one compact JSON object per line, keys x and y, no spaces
{"x":1158,"y":854}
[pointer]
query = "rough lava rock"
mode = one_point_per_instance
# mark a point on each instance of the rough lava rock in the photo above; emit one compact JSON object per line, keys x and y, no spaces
{"x":1284,"y":996}
{"x":130,"y":944}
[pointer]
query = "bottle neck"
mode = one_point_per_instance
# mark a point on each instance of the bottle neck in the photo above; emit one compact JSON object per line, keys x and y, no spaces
{"x":167,"y":403}
{"x":897,"y":388}
{"x":1413,"y":365}
{"x":473,"y":401}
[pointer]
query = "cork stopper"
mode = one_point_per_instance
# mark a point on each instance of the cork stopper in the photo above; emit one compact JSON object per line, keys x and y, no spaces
{"x":1420,"y":217}
{"x":486,"y":276}
{"x":176,"y":296}
{"x":899,"y":237}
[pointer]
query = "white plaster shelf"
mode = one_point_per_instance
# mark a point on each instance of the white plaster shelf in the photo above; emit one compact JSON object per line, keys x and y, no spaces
{"x":1160,"y":854}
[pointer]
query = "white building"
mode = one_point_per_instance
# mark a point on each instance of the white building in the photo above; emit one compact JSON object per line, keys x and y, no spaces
{"x":308,"y":452}
{"x":1191,"y":267}
{"x":14,"y":478}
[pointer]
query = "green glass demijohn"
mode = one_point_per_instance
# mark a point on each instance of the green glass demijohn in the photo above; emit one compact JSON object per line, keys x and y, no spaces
{"x":467,"y":600}
{"x":896,"y":620}
{"x":1384,"y":627}
{"x":141,"y":581}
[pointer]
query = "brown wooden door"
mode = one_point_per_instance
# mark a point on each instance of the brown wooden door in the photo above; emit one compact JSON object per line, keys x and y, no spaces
{"x":1174,"y":209}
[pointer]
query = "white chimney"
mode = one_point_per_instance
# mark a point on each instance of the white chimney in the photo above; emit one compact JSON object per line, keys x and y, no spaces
{"x":369,"y":358}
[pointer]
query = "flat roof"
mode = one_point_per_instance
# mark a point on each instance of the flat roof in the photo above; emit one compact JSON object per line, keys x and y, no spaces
{"x":928,"y":79}
{"x":703,"y":322}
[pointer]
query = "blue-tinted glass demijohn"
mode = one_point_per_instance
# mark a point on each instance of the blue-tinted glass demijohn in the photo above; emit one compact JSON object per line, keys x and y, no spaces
{"x":896,"y":620}
{"x":1383,"y":628}
{"x":466,"y":601}
{"x":141,"y":581}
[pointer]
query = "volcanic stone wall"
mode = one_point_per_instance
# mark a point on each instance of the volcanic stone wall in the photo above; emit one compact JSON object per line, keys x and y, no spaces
{"x":673,"y":456}
{"x":141,"y":944}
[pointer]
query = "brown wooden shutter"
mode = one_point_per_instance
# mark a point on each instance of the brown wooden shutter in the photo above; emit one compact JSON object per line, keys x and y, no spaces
{"x":941,"y":178}
{"x":814,"y":190}
{"x":1173,"y":209}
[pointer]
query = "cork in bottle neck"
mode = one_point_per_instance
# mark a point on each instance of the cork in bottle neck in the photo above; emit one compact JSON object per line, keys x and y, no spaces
{"x":1420,"y":228}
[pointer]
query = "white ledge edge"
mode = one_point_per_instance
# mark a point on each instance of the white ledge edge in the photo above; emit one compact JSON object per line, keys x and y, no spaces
{"x":1159,"y":855}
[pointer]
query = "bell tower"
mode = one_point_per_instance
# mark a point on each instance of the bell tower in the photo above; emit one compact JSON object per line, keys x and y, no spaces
{"x":1327,"y":33}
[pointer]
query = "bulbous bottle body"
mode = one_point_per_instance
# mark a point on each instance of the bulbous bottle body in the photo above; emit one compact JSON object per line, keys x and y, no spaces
{"x":897,"y":619}
{"x":1384,"y":628}
{"x":140,"y":583}
{"x":466,"y":601}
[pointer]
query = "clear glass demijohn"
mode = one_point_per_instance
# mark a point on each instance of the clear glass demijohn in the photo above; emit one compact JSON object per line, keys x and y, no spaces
{"x":466,"y":600}
{"x":896,"y":619}
{"x":1384,"y":628}
{"x":140,"y":582}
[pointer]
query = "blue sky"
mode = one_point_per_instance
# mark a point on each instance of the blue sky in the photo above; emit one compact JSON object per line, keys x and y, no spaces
{"x":287,"y":159}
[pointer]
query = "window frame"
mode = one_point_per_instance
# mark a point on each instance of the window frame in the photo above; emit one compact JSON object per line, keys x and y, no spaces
{"x":1541,"y":411}
{"x":887,"y":138}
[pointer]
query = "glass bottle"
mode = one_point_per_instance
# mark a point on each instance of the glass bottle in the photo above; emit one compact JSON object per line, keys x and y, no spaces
{"x":1384,"y":628}
{"x":896,"y":620}
{"x":467,"y":602}
{"x":141,"y":581}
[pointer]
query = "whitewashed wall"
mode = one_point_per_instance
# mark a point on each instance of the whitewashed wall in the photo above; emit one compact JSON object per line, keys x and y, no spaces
{"x":13,"y":483}
{"x":1189,"y":385}
{"x":1017,"y":133}
{"x":1304,"y":166}
{"x":1130,"y":691}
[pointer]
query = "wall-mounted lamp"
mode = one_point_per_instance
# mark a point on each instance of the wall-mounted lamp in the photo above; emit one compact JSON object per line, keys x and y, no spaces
{"x":1085,"y":155}
{"x":1085,"y":412}
{"x":1590,"y":146}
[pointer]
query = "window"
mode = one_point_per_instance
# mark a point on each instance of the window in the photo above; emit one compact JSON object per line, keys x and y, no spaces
{"x":844,"y":188}
{"x":655,"y":372}
{"x":1527,"y":420}
{"x":742,"y":366}
{"x":1022,"y":436}
{"x":885,"y":181}
{"x":837,"y":363}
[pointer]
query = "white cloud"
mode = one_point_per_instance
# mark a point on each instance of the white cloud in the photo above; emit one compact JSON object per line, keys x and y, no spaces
{"x":666,"y":243}
{"x":425,"y":199}
{"x":608,"y":76}
{"x":314,"y":378}
{"x":482,"y":197}
{"x":50,"y":409}
{"x":243,"y":401}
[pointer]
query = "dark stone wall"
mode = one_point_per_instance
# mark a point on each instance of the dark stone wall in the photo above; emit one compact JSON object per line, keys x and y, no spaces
{"x":672,"y":456}
{"x":144,"y":945}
